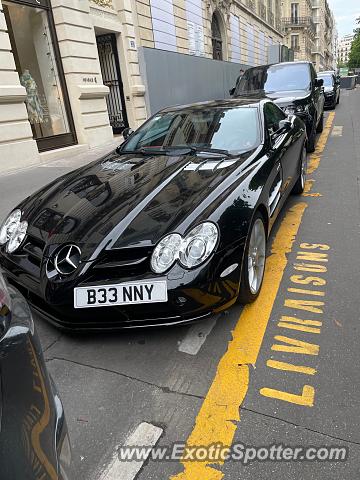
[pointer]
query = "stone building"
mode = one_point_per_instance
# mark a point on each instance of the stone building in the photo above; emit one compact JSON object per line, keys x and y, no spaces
{"x":344,"y":48}
{"x":310,"y":30}
{"x":69,"y":69}
{"x":324,"y":46}
{"x":299,"y":28}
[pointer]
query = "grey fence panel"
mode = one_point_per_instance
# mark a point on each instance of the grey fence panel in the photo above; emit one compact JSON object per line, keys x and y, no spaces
{"x":174,"y":79}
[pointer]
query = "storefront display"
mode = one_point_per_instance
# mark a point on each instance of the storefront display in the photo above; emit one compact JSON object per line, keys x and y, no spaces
{"x":38,"y":63}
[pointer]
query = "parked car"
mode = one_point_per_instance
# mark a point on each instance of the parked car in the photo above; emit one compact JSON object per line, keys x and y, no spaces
{"x":34,"y":442}
{"x":169,"y":228}
{"x":331,"y":89}
{"x":293,"y":86}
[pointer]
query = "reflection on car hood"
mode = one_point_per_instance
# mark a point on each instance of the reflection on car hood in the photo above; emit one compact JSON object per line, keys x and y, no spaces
{"x":287,"y":98}
{"x":130,"y":199}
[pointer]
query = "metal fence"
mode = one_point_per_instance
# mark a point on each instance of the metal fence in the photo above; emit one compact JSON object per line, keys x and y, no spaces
{"x":173,"y":78}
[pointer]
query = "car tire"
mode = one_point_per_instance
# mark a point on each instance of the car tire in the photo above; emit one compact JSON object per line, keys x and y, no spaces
{"x":338,"y":100}
{"x":255,"y":252}
{"x":310,"y":145}
{"x":299,"y":186}
{"x":320,"y":126}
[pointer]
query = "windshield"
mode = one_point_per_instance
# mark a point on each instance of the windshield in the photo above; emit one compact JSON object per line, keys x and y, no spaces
{"x":232,"y":129}
{"x":275,"y":78}
{"x":328,"y":80}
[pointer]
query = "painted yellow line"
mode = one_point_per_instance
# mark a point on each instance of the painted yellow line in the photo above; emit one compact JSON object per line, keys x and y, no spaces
{"x":288,"y":367}
{"x":216,"y":421}
{"x":315,"y":157}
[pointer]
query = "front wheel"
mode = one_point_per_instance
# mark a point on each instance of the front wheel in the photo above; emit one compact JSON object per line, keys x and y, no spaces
{"x":310,"y":145}
{"x":300,"y":182}
{"x":253,"y":267}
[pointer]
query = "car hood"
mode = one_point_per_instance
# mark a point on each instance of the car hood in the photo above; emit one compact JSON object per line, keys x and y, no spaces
{"x":289,"y":98}
{"x":328,"y":89}
{"x":127,"y":200}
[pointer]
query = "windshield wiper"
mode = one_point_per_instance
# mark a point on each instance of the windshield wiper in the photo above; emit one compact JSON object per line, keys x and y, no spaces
{"x":215,"y":151}
{"x":178,"y":150}
{"x":175,"y":150}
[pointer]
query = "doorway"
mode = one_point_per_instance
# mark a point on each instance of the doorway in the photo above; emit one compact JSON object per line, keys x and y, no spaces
{"x":110,"y":69}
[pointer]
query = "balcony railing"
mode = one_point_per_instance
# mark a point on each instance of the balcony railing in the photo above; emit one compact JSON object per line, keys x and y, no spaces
{"x":300,"y":22}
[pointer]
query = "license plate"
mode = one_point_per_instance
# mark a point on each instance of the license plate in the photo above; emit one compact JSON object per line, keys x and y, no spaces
{"x":129,"y":293}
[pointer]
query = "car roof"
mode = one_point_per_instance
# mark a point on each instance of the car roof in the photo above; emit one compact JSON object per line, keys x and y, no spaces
{"x":297,"y":62}
{"x":226,"y":103}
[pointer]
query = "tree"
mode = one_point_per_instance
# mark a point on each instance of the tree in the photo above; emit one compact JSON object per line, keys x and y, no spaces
{"x":354,"y":57}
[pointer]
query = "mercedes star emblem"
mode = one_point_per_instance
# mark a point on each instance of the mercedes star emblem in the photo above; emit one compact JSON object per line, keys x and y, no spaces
{"x":67,"y":259}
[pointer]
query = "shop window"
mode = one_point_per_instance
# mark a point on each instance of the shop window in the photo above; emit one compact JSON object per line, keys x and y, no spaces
{"x":38,"y":64}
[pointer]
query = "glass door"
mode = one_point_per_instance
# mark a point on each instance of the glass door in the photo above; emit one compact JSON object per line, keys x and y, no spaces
{"x":38,"y":63}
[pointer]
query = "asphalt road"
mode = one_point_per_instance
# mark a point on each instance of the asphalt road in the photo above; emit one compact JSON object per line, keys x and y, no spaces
{"x":282,"y":371}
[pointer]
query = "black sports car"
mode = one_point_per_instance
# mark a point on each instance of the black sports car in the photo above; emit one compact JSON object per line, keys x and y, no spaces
{"x":34,"y":441}
{"x":169,"y":228}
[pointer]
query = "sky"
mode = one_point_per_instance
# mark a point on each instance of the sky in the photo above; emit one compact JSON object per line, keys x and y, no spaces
{"x":346,"y":12}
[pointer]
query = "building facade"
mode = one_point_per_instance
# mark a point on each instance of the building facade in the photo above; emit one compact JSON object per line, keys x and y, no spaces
{"x":323,"y":53}
{"x":344,"y":47}
{"x":69,"y":69}
{"x":299,"y":28}
{"x":310,"y":30}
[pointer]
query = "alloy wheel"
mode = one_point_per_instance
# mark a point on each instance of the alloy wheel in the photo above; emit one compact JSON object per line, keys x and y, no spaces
{"x":256,"y":256}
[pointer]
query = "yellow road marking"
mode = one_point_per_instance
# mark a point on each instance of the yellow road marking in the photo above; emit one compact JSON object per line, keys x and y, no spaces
{"x":306,"y":399}
{"x":315,"y":157}
{"x":216,"y":420}
{"x":290,"y":367}
{"x":293,"y":345}
{"x":300,"y":328}
{"x":308,"y":305}
{"x":314,"y":323}
{"x":307,"y":292}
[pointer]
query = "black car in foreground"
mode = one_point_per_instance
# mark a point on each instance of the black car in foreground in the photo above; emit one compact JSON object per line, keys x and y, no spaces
{"x":294,"y":86}
{"x":34,"y":442}
{"x":331,"y":89}
{"x":169,"y":228}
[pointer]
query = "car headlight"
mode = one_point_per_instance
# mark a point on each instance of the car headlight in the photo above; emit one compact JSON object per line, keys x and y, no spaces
{"x":166,"y":253}
{"x":199,"y":244}
{"x":293,"y":109}
{"x":9,"y":226}
{"x":191,"y":251}
{"x":13,"y":231}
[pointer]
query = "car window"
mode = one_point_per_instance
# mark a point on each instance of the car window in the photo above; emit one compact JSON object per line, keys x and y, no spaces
{"x":275,"y":78}
{"x":273,"y":115}
{"x":229,"y":128}
{"x":328,"y":80}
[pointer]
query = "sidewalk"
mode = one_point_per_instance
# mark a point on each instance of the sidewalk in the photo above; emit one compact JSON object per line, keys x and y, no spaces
{"x":70,"y":162}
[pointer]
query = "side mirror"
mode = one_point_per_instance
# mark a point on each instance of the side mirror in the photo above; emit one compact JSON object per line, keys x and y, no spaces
{"x":127,"y":132}
{"x":285,"y":126}
{"x":319,"y":82}
{"x":232,"y":91}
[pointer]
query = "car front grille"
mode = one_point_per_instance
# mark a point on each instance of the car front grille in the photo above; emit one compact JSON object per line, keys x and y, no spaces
{"x":123,"y":262}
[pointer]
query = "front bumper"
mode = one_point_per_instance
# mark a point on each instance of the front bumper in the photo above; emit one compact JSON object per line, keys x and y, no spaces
{"x":192,"y":295}
{"x":329,"y":100}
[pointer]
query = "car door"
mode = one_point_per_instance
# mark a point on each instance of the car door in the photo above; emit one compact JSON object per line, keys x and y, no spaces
{"x":282,"y":145}
{"x":318,"y":95}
